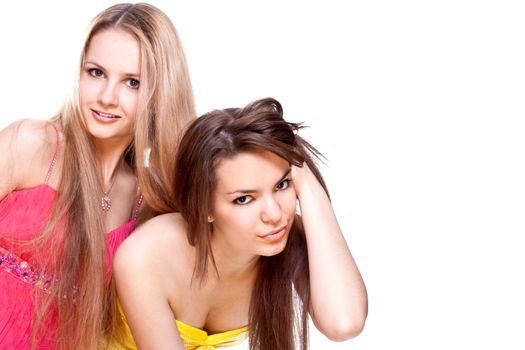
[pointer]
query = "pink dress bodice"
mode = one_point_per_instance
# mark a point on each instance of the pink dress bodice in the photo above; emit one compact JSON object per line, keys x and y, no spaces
{"x":23,"y":215}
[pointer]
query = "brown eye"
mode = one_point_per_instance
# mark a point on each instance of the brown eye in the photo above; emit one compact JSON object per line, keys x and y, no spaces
{"x":243,"y":200}
{"x":95,"y":72}
{"x":283,"y":185}
{"x":133,"y":83}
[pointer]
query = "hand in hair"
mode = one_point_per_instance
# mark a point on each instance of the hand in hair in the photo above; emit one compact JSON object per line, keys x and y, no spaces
{"x":302,"y":178}
{"x":338,"y":302}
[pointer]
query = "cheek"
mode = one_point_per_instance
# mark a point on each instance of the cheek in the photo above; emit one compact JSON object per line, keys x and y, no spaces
{"x":129,"y":101}
{"x":289,"y":203}
{"x":242,"y":220}
{"x":86,"y":90}
{"x":236,"y":221}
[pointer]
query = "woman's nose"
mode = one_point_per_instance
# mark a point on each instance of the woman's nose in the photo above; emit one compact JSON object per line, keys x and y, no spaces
{"x":109,"y":95}
{"x":271,"y":211}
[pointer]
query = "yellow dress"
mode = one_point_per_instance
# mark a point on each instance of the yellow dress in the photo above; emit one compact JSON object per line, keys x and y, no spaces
{"x":197,"y":339}
{"x":193,"y":338}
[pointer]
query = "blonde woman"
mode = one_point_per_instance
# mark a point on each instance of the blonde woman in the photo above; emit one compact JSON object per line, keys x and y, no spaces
{"x":71,"y":187}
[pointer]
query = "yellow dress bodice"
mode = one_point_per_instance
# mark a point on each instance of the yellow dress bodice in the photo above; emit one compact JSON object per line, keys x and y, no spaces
{"x":193,"y":338}
{"x":197,"y":339}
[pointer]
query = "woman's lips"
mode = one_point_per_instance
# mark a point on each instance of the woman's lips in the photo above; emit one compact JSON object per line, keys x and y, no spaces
{"x":275,"y":235}
{"x":104,"y":117}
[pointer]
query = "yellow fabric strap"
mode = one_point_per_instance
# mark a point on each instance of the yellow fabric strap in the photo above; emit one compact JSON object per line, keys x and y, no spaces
{"x":197,"y":339}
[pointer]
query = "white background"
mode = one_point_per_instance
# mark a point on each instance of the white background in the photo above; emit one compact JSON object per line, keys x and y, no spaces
{"x":419,"y":107}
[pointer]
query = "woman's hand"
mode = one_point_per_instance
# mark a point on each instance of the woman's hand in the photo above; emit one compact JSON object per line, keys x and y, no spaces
{"x":339,"y":302}
{"x":303,"y":179}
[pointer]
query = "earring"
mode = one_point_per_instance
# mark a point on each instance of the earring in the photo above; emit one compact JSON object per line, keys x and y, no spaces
{"x":210,"y":219}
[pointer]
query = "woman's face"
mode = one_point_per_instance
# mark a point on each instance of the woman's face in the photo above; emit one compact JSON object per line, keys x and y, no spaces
{"x":109,"y":85}
{"x":254,"y":203}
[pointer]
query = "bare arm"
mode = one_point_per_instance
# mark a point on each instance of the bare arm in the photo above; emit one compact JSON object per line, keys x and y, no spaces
{"x":339,"y":302}
{"x":140,"y":275}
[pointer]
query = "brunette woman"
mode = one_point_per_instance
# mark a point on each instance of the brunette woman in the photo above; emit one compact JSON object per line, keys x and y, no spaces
{"x":237,"y":259}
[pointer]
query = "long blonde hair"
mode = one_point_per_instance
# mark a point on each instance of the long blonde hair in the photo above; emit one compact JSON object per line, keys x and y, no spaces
{"x":79,"y":296}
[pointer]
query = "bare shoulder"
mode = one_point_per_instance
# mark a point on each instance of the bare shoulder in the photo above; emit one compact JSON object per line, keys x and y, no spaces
{"x":146,"y":280}
{"x":160,"y":241}
{"x":28,"y":147}
{"x":28,"y":135}
{"x":164,"y":229}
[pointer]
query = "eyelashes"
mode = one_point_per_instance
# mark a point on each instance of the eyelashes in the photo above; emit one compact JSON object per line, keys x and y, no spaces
{"x":283,"y":185}
{"x":133,"y":83}
{"x":246,"y":199}
{"x":243,"y":200}
{"x":98,"y":73}
{"x":95,"y":72}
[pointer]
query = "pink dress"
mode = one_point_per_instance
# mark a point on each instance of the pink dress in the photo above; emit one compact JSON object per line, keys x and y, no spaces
{"x":23,"y":214}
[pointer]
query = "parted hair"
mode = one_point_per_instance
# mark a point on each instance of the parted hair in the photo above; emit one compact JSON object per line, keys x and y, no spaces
{"x":80,"y":298}
{"x":279,"y":303}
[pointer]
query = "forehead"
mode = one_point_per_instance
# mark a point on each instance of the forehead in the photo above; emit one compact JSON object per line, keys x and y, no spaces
{"x":115,"y":49}
{"x":250,"y":170}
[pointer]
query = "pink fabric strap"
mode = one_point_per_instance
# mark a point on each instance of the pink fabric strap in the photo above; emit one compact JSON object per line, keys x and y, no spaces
{"x":53,"y":162}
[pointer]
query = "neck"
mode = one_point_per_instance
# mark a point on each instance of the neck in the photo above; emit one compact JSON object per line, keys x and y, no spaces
{"x":109,"y":169}
{"x":110,"y":155}
{"x":234,"y":266}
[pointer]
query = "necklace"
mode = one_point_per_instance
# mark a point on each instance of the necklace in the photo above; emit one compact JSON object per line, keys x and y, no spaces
{"x":105,"y":201}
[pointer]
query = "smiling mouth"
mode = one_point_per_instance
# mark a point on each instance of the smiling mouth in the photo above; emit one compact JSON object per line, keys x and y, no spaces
{"x":104,"y":116}
{"x":275,"y":234}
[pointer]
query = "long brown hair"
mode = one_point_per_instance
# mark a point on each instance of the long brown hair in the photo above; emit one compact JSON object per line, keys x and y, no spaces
{"x":79,"y":296}
{"x":277,"y":318}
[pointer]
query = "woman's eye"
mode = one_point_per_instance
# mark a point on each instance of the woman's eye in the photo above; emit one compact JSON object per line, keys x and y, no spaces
{"x":97,"y":73}
{"x":133,"y":83}
{"x":243,"y":200}
{"x":283,"y":185}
